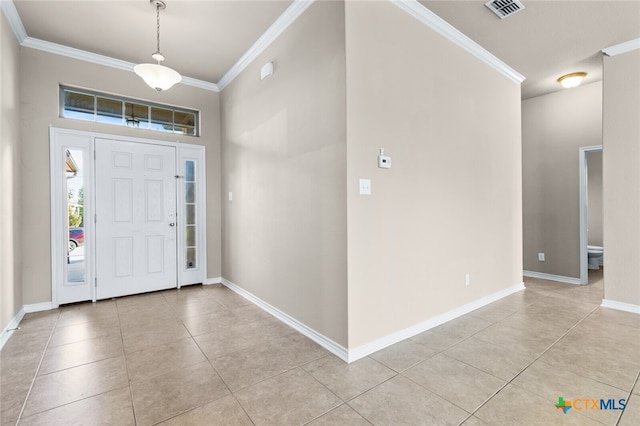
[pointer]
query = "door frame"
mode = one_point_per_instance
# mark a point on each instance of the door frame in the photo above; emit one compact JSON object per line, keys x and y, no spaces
{"x":85,"y":140}
{"x":584,"y":237}
{"x":59,"y":141}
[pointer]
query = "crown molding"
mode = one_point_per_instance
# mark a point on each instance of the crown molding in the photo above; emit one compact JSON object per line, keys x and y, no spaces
{"x":439,"y":25}
{"x":83,"y":55}
{"x":297,"y":7}
{"x":282,"y":23}
{"x":70,"y":52}
{"x":625,"y":47}
{"x":189,"y":81}
{"x":10,"y":11}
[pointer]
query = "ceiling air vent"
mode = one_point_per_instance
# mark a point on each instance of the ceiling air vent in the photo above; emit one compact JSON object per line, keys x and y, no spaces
{"x":504,"y":8}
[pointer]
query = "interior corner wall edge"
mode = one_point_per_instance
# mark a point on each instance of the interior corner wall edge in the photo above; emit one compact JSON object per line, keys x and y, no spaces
{"x":554,"y":127}
{"x":11,"y":225}
{"x":451,"y":203}
{"x":40,"y":75}
{"x":284,"y":161}
{"x":621,"y":177}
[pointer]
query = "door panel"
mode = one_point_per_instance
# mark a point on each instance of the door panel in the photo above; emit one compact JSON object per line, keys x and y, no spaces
{"x":123,"y":256}
{"x":135,"y":225}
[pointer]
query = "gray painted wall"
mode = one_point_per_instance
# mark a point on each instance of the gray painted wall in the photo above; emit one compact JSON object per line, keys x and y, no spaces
{"x":284,"y":159}
{"x":451,"y":203}
{"x":621,"y":168}
{"x":11,"y":231}
{"x":554,"y":127}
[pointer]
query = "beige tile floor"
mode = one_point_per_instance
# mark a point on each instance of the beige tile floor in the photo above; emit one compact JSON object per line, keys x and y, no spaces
{"x":204,"y":355}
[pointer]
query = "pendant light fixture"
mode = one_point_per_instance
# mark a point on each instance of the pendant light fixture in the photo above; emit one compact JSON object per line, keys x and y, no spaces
{"x":158,"y":76}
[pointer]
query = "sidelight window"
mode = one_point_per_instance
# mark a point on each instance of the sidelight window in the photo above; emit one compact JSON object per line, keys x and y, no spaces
{"x":190,"y":221}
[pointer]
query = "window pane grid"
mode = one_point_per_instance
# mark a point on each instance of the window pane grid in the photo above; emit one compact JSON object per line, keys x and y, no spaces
{"x":87,"y":105}
{"x":190,"y":216}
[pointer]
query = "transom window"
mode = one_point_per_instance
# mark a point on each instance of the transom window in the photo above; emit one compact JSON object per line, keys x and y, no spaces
{"x":81,"y":104}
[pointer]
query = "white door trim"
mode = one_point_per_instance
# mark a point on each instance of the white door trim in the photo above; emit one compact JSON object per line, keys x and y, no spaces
{"x":56,"y":219}
{"x":59,"y":141}
{"x":584,"y":238}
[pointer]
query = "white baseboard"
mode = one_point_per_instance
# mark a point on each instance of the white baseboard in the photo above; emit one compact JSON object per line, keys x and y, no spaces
{"x":551,"y":277}
{"x":333,"y":347}
{"x":378,"y":344}
{"x":9,"y":329}
{"x":15,"y":321}
{"x":209,"y":281}
{"x":620,"y":306}
{"x":369,"y":348}
{"x":38,"y":307}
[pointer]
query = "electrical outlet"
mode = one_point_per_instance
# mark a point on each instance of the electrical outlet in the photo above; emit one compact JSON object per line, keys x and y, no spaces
{"x":540,"y":257}
{"x":467,"y":279}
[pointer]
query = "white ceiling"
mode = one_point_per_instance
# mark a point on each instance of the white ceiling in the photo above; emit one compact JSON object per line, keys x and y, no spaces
{"x":203,"y":39}
{"x":200,"y":39}
{"x":547,"y":39}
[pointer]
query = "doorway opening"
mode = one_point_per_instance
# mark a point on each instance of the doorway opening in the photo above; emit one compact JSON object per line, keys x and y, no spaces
{"x":591,"y":243}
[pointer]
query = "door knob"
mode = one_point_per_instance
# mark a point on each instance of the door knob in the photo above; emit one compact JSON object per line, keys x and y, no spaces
{"x":172,"y":224}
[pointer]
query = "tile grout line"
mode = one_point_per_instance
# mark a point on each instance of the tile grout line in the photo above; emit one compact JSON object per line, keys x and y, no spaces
{"x":191,"y":337}
{"x":337,"y":396}
{"x":300,"y":366}
{"x":529,"y":365}
{"x":442,"y":352}
{"x":232,"y":393}
{"x":209,"y":361}
{"x":537,"y":357}
{"x":635,"y":383}
{"x":126,"y":365}
{"x":33,"y":381}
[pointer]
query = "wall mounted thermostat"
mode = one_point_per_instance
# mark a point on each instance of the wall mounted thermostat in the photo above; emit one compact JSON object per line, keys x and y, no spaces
{"x":384,"y":162}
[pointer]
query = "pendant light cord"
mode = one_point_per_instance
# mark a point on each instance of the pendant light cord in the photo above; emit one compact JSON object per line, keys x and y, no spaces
{"x":158,"y":27}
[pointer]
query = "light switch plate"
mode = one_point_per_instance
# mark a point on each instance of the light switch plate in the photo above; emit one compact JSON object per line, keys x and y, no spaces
{"x":365,"y":186}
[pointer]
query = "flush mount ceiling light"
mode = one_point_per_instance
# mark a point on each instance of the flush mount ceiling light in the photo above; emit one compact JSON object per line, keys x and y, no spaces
{"x":572,"y":80}
{"x":158,"y":76}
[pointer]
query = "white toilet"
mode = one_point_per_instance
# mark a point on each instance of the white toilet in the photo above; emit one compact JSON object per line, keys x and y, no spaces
{"x":595,"y":256}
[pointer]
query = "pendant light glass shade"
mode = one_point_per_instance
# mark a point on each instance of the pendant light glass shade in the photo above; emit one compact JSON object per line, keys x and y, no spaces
{"x":157,"y":76}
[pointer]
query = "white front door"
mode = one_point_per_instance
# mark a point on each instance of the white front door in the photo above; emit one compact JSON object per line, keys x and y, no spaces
{"x":135,"y":217}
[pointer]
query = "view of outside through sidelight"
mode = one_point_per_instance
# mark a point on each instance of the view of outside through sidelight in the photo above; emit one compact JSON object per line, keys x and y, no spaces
{"x":190,"y":222}
{"x":75,"y":214}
